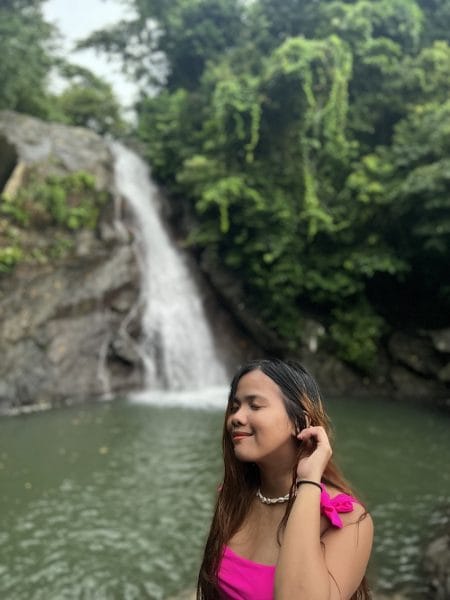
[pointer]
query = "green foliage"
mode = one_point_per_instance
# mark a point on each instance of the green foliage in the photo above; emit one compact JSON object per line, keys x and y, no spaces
{"x":318,"y":73}
{"x":356,"y":334}
{"x":15,"y":210}
{"x":437,"y":23}
{"x":9,"y":257}
{"x":235,"y":118}
{"x":311,"y":141}
{"x":411,"y":178}
{"x":88,"y":102}
{"x":70,"y":201}
{"x":167,"y":127}
{"x":58,"y":204}
{"x":399,"y":21}
{"x":25,"y":50}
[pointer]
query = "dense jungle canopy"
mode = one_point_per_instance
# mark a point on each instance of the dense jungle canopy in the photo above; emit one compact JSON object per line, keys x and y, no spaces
{"x":309,"y":138}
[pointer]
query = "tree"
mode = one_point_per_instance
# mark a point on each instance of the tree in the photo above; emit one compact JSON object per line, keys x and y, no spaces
{"x":181,"y":35}
{"x":26,"y":56}
{"x":409,"y":182}
{"x":309,"y":140}
{"x":88,"y":102}
{"x":437,"y":23}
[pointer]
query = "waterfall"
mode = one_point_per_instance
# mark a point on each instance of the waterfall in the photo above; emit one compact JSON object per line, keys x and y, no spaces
{"x":178,"y":348}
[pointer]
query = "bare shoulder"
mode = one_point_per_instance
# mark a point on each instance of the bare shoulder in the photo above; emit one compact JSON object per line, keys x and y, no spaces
{"x":359,"y":516}
{"x":347,"y":549}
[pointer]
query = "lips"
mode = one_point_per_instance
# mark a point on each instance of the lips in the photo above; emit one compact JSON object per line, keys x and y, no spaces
{"x":240,"y":435}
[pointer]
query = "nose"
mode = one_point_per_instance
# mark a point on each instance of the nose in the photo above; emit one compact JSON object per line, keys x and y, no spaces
{"x":239,"y":417}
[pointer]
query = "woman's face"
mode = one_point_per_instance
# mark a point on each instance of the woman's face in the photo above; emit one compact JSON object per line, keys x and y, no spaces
{"x":258,"y":423}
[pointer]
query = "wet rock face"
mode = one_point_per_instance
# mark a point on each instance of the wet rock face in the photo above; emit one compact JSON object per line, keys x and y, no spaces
{"x":416,"y":353}
{"x":421,"y":363}
{"x":59,"y":327}
{"x":437,"y":566}
{"x":69,"y":328}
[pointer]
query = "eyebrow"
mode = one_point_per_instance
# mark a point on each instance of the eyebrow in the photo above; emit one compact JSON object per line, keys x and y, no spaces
{"x":248,"y":398}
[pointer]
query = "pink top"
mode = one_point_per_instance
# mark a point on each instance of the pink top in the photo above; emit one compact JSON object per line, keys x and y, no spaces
{"x":242,"y":579}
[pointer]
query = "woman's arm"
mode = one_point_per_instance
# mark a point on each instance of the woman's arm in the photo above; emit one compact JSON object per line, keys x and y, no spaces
{"x":311,"y":568}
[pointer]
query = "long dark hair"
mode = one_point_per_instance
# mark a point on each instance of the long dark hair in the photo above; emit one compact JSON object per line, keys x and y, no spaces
{"x":303,"y":404}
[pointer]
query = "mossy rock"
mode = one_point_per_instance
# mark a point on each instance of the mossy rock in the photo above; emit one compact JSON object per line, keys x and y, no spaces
{"x":38,"y":221}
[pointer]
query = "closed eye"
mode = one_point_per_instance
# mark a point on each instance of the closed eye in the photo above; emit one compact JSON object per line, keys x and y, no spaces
{"x":234,"y":407}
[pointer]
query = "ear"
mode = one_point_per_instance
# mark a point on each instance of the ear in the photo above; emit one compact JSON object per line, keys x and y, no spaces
{"x":297,"y":427}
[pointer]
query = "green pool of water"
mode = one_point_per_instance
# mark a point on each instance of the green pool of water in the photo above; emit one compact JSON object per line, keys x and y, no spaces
{"x":114,"y":500}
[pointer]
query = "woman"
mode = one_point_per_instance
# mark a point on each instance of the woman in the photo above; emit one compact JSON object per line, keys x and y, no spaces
{"x":285,"y":526}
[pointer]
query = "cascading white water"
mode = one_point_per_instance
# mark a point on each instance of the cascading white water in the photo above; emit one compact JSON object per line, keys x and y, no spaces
{"x":178,"y":349}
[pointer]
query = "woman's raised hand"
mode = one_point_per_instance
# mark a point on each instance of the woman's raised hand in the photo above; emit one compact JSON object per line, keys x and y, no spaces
{"x":315,"y":441}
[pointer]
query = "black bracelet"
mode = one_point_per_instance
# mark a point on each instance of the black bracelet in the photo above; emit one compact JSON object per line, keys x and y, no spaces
{"x":300,"y":481}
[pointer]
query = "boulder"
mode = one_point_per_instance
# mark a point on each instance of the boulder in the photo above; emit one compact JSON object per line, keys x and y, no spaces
{"x":441,"y":340}
{"x":419,"y":364}
{"x":437,"y":567}
{"x":415,"y":352}
{"x":411,"y":385}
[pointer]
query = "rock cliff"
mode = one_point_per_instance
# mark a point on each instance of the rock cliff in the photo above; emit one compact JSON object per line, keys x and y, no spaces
{"x":68,"y":325}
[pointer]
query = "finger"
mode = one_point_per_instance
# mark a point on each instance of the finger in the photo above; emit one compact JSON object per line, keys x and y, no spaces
{"x":311,"y":431}
{"x":316,"y":433}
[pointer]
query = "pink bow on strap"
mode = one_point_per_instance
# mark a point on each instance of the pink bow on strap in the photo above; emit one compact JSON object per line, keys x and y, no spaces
{"x":330,"y":507}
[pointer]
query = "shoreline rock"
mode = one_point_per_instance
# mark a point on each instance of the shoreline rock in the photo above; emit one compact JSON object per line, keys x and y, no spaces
{"x":437,"y":566}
